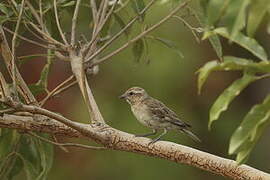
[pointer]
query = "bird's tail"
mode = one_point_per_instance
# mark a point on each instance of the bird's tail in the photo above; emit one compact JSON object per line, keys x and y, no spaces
{"x":190,"y":134}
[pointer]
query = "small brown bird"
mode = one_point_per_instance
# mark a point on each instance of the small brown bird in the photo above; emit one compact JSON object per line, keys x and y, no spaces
{"x":154,"y":114}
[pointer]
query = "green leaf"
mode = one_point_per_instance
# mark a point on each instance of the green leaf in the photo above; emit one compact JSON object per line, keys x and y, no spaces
{"x":4,"y":9}
{"x":37,"y":157}
{"x":9,"y":143}
{"x":42,"y":84}
{"x":215,"y":42}
{"x":226,"y":97}
{"x":121,"y":23}
{"x":207,"y":24}
{"x":204,"y":73}
{"x":16,"y":169}
{"x":249,"y":129}
{"x":246,"y":42}
{"x":46,"y":156}
{"x":215,"y":10}
{"x":169,"y":44}
{"x":256,"y":14}
{"x":138,"y":6}
{"x":107,"y":28}
{"x":138,"y":49}
{"x":7,"y":139}
{"x":243,"y":155}
{"x":240,"y":20}
{"x":231,"y":63}
{"x":67,"y":4}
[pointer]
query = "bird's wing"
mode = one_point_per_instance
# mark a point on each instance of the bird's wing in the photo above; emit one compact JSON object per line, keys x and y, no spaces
{"x":160,"y":110}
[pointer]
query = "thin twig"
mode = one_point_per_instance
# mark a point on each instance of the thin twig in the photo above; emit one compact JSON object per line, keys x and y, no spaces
{"x":96,"y":32}
{"x":29,"y":40}
{"x":43,"y":31}
{"x":48,"y":37}
{"x":103,"y":12}
{"x":13,"y":46}
{"x":101,"y":5}
{"x":74,"y":22}
{"x":94,"y":10}
{"x":34,"y":12}
{"x":7,"y":111}
{"x":35,"y":34}
{"x":67,"y":144}
{"x":58,"y":23}
{"x":41,"y":13}
{"x":140,"y":35}
{"x":263,"y":76}
{"x":58,"y":89}
{"x":33,"y":55}
{"x":122,"y":6}
{"x":7,"y":57}
{"x":189,"y":26}
{"x":61,"y":147}
{"x":120,"y":32}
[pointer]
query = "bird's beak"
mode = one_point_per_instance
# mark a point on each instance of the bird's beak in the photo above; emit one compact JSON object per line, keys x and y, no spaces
{"x":123,"y":96}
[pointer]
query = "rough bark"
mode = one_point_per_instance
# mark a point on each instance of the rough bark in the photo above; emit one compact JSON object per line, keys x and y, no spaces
{"x":118,"y":140}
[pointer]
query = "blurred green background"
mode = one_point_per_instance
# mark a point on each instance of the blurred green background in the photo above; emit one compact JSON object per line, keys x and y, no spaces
{"x":167,"y":77}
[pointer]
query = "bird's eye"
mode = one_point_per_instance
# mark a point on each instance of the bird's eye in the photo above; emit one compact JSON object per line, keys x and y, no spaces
{"x":131,"y":93}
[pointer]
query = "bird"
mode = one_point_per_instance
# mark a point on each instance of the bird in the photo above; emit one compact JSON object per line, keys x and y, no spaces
{"x":154,"y":114}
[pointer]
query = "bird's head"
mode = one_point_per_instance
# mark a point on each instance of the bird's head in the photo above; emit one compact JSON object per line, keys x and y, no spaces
{"x":134,"y":95}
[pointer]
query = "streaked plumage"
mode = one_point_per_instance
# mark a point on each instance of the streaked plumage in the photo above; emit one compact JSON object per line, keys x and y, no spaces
{"x":154,"y":114}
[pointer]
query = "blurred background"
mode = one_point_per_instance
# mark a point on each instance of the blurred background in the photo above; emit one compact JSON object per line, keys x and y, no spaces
{"x":167,"y":77}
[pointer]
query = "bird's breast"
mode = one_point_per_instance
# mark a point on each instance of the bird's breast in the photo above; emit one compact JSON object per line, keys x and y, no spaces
{"x":142,"y":114}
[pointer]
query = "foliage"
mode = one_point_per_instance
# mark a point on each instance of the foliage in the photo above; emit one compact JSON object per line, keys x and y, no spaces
{"x":235,"y":20}
{"x":230,"y":19}
{"x":21,"y":152}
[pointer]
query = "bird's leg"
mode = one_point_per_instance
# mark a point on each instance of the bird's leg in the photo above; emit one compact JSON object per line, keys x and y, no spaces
{"x":158,"y":138}
{"x":148,"y":134}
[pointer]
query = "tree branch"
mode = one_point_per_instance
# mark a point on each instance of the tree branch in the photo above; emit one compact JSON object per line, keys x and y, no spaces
{"x":118,"y":140}
{"x":117,"y":35}
{"x":67,"y":144}
{"x":74,"y":22}
{"x":173,"y":12}
{"x":58,"y":24}
{"x":8,"y":56}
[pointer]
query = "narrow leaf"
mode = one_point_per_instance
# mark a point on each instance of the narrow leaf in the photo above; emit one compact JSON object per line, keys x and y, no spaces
{"x":46,"y":155}
{"x":240,"y":19}
{"x":257,"y":11}
{"x":37,"y":157}
{"x":138,"y":49}
{"x":204,"y":73}
{"x":215,"y":42}
{"x":215,"y":9}
{"x":206,"y":24}
{"x":138,"y":6}
{"x":248,"y":129}
{"x":226,"y":97}
{"x":246,"y":42}
{"x":4,"y":9}
{"x":121,"y":23}
{"x":42,"y":85}
{"x":169,"y":44}
{"x":243,"y":155}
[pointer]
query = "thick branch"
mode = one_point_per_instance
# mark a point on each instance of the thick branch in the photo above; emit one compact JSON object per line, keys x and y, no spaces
{"x":118,"y":140}
{"x":8,"y":57}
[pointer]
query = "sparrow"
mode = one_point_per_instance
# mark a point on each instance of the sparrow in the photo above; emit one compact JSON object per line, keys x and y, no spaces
{"x":154,"y":114}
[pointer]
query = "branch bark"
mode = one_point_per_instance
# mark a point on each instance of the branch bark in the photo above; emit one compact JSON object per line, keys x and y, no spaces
{"x":118,"y":140}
